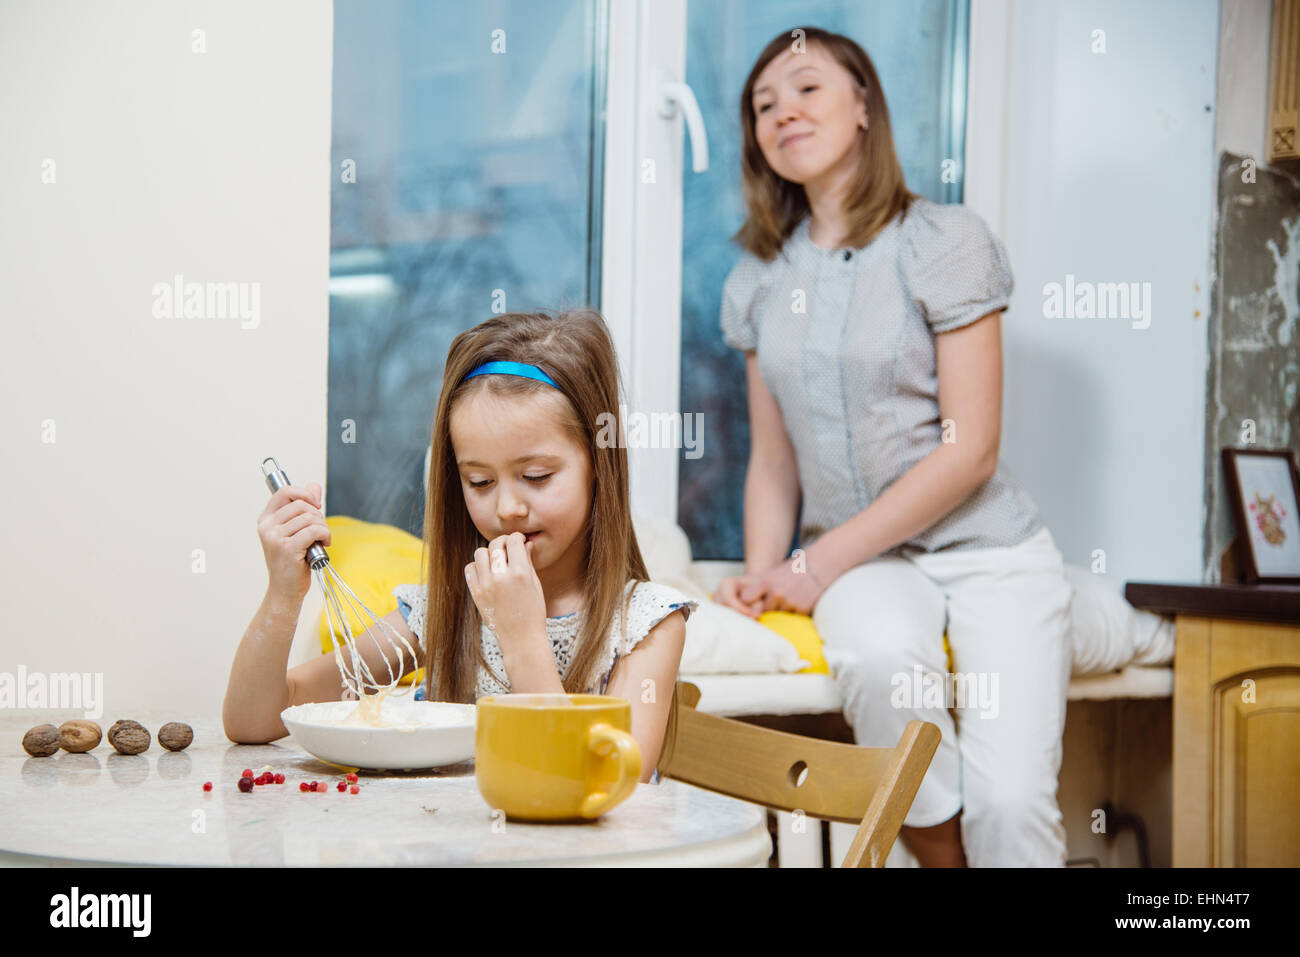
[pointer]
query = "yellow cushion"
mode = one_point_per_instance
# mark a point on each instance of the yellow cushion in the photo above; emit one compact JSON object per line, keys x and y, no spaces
{"x":799,"y":631}
{"x":373,"y":559}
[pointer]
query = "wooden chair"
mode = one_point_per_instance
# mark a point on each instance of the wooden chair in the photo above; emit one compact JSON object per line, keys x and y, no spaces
{"x":870,"y":787}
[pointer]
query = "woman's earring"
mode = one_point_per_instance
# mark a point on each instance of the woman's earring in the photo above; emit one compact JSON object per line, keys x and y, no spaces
{"x":864,"y":124}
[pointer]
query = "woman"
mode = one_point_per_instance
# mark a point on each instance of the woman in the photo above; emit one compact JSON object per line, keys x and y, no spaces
{"x":869,"y":319}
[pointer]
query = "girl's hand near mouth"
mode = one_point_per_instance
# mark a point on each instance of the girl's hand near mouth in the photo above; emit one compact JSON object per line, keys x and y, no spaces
{"x":507,"y":591}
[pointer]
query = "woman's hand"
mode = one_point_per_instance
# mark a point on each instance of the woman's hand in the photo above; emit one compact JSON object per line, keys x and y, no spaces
{"x":741,"y":592}
{"x":787,"y":588}
{"x":506,"y":588}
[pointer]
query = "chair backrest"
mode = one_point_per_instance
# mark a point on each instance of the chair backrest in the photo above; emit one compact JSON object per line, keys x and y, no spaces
{"x":870,"y":787}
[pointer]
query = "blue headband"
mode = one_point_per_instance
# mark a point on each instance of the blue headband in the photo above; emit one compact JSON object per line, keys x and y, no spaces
{"x":513,"y":368}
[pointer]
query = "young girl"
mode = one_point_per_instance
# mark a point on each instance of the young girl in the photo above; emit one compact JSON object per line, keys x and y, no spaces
{"x":877,"y":408}
{"x":538,"y":582}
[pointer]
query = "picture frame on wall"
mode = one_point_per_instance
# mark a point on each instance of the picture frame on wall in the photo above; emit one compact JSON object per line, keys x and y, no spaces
{"x":1263,"y":491}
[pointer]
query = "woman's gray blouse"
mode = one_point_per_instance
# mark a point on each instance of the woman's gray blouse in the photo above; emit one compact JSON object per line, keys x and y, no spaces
{"x":845,"y":344}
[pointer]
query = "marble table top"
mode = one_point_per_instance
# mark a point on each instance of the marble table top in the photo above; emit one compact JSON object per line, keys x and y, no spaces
{"x":102,"y":807}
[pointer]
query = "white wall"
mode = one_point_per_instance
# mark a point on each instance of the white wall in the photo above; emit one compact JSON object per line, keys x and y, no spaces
{"x":211,"y":165}
{"x":1104,"y":169}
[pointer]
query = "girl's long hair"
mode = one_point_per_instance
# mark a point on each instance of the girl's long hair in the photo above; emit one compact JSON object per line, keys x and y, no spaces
{"x":575,"y":350}
{"x":775,"y":205}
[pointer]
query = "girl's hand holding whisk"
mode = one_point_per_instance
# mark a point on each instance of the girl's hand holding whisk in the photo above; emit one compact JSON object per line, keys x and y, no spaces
{"x":506,"y":589}
{"x":291,"y":523}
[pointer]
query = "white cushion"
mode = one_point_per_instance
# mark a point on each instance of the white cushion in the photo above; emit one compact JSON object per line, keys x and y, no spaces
{"x":1108,"y":633}
{"x":664,"y":546}
{"x":719,"y":640}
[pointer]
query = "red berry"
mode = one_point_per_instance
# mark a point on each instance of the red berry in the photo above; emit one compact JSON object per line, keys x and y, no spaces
{"x":355,"y":789}
{"x":302,"y":785}
{"x":245,"y":784}
{"x":246,"y":773}
{"x":279,"y":779}
{"x":207,"y":785}
{"x":352,"y":778}
{"x":315,"y":785}
{"x":343,"y":785}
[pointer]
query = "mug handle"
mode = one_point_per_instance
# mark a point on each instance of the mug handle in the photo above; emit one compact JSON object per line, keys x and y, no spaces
{"x":599,"y":741}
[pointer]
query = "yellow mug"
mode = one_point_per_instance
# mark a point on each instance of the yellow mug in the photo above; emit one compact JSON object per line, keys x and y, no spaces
{"x":555,"y":757}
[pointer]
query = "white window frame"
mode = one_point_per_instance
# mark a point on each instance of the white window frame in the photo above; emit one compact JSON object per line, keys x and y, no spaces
{"x":641,"y":269}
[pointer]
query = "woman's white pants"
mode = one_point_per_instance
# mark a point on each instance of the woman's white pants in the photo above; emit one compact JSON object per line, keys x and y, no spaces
{"x":1006,"y":611}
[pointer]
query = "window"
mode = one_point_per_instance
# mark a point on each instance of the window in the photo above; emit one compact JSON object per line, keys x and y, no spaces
{"x":482,"y":183}
{"x":466,"y":180}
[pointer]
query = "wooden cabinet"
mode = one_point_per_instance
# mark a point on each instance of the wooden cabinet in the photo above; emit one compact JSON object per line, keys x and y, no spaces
{"x":1236,"y":721}
{"x":1236,"y":743}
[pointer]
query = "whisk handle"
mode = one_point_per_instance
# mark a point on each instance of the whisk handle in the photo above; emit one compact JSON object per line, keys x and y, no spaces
{"x":276,"y":480}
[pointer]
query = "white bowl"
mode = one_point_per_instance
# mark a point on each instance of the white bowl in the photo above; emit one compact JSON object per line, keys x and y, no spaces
{"x":426,"y":734}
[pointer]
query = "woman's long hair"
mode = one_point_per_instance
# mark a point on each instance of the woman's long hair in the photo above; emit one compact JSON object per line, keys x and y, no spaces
{"x":775,"y":205}
{"x":575,"y":350}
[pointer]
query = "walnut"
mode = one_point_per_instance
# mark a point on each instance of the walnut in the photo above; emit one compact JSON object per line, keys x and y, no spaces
{"x":128,"y":737}
{"x":175,"y":736}
{"x":119,"y":725}
{"x":41,"y":741}
{"x":79,"y":736}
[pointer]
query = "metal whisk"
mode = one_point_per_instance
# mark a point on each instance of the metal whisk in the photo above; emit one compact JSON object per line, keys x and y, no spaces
{"x":339,"y":600}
